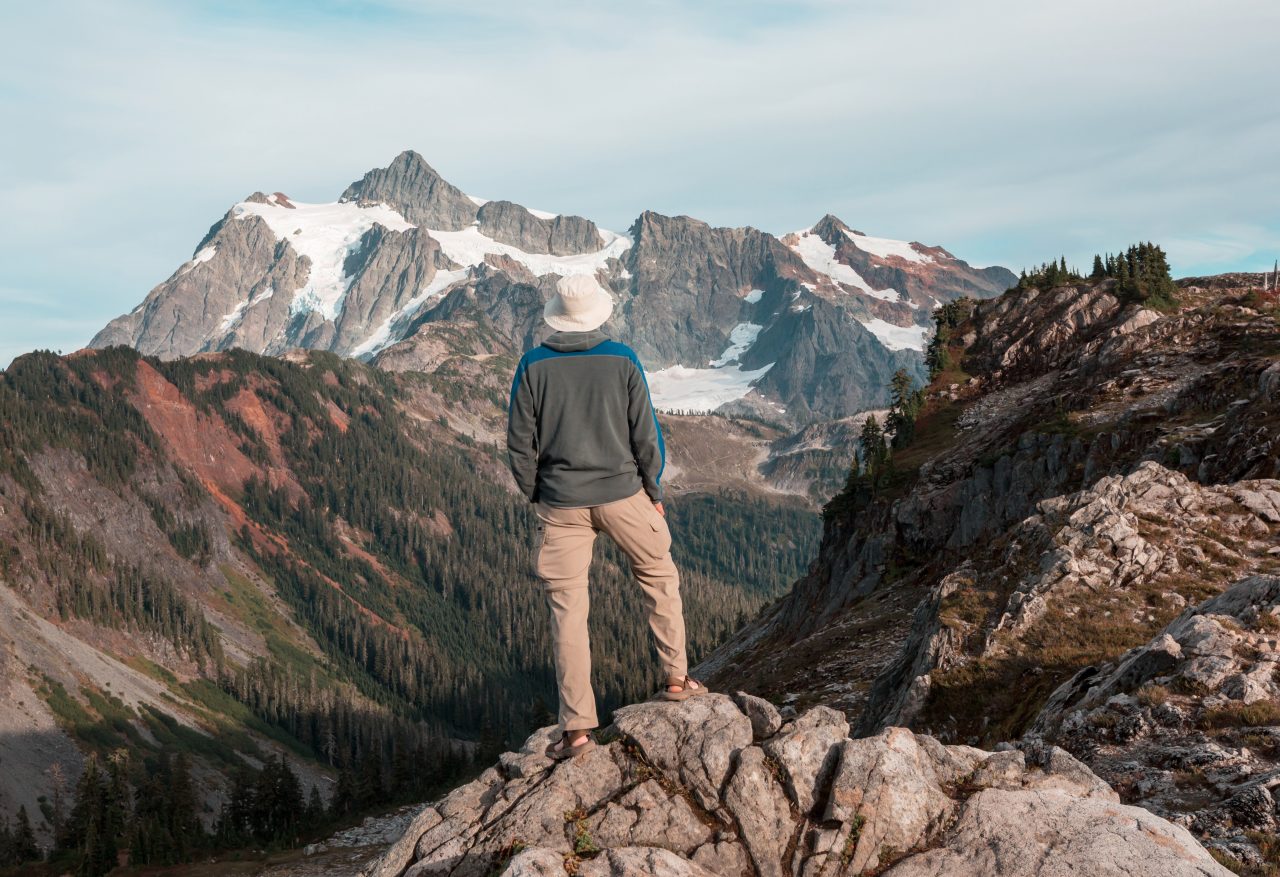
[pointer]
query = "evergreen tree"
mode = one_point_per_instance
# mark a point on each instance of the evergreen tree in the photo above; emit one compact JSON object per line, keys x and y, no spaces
{"x":22,"y":842}
{"x":369,"y":780}
{"x":56,"y":814}
{"x":1142,"y":275}
{"x":83,"y":832}
{"x":117,"y":812}
{"x":6,"y":842}
{"x":344,"y":797}
{"x":182,"y":804}
{"x":315,"y":806}
{"x":875,"y":451}
{"x":1052,"y":273}
{"x":946,"y":318}
{"x":905,"y":406}
{"x":235,"y":822}
{"x":278,"y":804}
{"x":1099,"y":271}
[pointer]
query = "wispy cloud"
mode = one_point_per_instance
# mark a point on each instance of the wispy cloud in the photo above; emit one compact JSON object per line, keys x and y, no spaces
{"x":1004,"y":130}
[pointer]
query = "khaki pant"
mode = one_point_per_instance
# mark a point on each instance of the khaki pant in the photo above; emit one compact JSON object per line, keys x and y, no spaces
{"x":562,"y":558}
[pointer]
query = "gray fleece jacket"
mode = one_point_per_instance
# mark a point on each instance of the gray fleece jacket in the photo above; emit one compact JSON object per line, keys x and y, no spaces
{"x":581,"y":430}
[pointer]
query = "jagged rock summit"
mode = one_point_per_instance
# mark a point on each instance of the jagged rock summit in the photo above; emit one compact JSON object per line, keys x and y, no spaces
{"x":407,"y":269}
{"x":692,"y":790}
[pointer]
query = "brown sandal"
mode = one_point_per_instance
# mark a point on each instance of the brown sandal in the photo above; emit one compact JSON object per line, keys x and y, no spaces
{"x":565,"y":747}
{"x":689,"y":687}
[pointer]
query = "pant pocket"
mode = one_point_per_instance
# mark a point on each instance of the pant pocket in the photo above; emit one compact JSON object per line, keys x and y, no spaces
{"x":661,"y":536}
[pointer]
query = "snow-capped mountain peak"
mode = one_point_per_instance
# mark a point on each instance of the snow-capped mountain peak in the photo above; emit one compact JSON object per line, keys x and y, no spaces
{"x":813,"y":322}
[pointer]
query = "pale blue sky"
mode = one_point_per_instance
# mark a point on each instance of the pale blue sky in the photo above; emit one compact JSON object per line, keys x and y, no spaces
{"x":1005,"y":131}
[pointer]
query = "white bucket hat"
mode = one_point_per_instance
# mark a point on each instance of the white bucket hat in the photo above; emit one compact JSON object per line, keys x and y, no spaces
{"x":579,"y":305}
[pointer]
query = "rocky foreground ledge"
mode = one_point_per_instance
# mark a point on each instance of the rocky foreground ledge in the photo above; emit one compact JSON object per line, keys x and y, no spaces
{"x":721,"y":786}
{"x":1188,"y":725}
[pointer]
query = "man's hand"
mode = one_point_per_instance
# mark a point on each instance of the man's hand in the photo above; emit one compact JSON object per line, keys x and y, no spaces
{"x":657,"y":507}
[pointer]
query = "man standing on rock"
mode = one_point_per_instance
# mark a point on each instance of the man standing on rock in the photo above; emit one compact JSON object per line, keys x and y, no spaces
{"x":586,"y":449}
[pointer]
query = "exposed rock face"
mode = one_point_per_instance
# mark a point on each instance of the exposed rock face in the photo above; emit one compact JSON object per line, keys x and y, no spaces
{"x":828,"y":363}
{"x":1034,"y":330}
{"x":413,"y":189}
{"x":356,"y":276}
{"x":993,"y":835}
{"x":247,"y":260}
{"x":1103,"y":544}
{"x":691,"y":285}
{"x":692,"y":796}
{"x":392,"y":268}
{"x":935,"y":562}
{"x":374,"y":271}
{"x":559,"y":236}
{"x":689,"y":274}
{"x":1188,"y":725}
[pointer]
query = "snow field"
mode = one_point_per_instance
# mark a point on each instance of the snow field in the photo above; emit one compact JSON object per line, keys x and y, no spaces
{"x":885,"y":247}
{"x":898,"y":337}
{"x":326,"y":234}
{"x":702,"y":390}
{"x":821,"y":257}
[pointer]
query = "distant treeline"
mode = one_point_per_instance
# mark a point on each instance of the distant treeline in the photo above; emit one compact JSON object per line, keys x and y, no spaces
{"x":1141,"y":273}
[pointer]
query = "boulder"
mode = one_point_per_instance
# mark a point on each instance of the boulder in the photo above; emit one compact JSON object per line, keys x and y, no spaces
{"x":891,"y":789}
{"x":692,"y":742}
{"x":683,"y":791}
{"x":805,"y":751}
{"x":1055,"y":834}
{"x":759,"y":805}
{"x":634,"y":861}
{"x":764,"y":716}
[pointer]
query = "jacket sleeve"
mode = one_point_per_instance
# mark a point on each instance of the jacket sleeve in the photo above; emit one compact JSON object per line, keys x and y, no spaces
{"x":646,"y":436}
{"x":522,"y":435}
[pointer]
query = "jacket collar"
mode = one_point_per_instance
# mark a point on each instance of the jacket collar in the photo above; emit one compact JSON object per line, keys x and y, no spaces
{"x":571,"y":342}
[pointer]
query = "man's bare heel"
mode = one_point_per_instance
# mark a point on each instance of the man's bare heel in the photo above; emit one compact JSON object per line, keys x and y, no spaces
{"x":689,"y":687}
{"x":569,"y":747}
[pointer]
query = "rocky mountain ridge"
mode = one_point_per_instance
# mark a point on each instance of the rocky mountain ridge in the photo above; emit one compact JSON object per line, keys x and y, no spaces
{"x":407,"y":268}
{"x":1084,"y":469}
{"x":713,"y":787}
